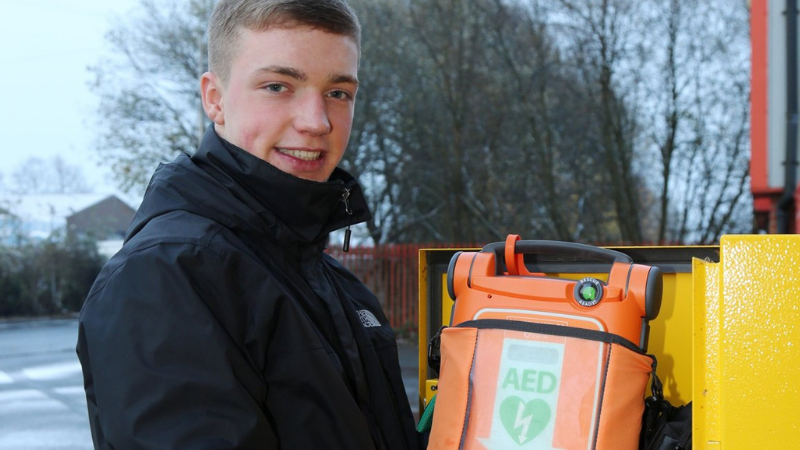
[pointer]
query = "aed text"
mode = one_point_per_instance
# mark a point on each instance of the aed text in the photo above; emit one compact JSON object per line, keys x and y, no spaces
{"x":528,"y":380}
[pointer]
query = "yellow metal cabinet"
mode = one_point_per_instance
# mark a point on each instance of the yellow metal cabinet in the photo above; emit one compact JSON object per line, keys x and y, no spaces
{"x":747,"y":345}
{"x":727,"y":337}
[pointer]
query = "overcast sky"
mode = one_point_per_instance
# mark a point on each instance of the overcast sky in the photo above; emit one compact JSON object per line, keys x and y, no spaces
{"x":47,"y":108}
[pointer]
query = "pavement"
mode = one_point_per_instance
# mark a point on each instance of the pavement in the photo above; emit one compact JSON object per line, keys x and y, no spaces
{"x":7,"y":323}
{"x":42,"y":402}
{"x":409,"y":366}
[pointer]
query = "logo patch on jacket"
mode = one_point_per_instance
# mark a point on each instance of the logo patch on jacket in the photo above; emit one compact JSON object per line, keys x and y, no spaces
{"x":368,"y":319}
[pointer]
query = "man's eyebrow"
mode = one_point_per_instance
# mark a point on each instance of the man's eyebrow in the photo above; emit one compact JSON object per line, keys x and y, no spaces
{"x":337,"y":78}
{"x":291,"y":72}
{"x":288,"y":71}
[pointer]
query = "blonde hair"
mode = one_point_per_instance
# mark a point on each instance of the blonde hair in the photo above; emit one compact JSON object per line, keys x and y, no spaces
{"x":230,"y":16}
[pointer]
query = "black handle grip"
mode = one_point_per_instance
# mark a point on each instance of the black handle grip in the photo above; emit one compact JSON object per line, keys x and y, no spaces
{"x":560,"y":248}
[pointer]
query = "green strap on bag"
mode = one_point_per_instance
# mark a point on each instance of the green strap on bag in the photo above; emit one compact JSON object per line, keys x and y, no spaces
{"x":426,"y":420}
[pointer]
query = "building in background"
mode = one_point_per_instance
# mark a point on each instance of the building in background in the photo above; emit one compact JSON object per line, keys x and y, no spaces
{"x":774,"y":115}
{"x":101,"y":217}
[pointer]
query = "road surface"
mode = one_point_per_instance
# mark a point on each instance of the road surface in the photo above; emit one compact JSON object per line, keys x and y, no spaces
{"x":42,"y":403}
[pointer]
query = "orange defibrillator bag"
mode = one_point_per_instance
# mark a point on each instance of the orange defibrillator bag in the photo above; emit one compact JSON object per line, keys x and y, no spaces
{"x":538,"y":362}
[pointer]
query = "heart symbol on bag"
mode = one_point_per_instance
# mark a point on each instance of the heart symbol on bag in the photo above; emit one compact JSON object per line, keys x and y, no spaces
{"x":524,"y":421}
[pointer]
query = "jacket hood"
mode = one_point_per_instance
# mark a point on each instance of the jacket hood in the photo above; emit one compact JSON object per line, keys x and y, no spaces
{"x":242,"y":192}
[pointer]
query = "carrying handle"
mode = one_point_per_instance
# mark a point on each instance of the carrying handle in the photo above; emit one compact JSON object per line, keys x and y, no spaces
{"x":513,"y":250}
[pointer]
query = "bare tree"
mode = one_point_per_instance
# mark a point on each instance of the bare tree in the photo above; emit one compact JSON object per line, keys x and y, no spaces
{"x":700,"y":117}
{"x":600,"y":37}
{"x":68,"y":178}
{"x":543,"y":105}
{"x":453,"y":51}
{"x":40,"y":176}
{"x":31,"y":177}
{"x":446,"y":123}
{"x":150,"y":105}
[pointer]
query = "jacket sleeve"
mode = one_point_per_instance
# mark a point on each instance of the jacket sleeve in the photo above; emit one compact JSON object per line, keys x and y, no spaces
{"x":163,"y":366}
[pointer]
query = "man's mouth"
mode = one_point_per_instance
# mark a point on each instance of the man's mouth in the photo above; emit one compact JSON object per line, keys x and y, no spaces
{"x":301,"y":154}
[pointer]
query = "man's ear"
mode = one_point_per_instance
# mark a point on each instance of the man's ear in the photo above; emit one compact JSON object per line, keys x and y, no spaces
{"x":211,"y":92}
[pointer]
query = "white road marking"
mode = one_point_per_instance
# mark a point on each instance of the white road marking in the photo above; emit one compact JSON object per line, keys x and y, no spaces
{"x":70,"y":390}
{"x":27,"y":400}
{"x":53,"y":371}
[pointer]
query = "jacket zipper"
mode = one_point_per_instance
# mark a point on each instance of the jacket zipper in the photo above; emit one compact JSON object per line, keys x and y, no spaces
{"x":346,"y":200}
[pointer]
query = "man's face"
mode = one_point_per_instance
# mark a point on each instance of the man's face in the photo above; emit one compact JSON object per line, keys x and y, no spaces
{"x":289,"y":99}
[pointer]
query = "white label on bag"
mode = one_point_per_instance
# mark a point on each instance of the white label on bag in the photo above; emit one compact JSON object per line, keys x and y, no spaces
{"x":525,"y":406}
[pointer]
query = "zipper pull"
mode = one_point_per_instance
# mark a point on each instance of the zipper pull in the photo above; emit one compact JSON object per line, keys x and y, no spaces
{"x":346,"y":244}
{"x":346,"y":200}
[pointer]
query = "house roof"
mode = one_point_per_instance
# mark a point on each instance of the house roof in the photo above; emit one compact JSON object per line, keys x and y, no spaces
{"x":41,"y":214}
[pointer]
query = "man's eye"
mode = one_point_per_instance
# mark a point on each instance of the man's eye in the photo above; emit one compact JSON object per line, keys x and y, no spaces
{"x":275,"y":87}
{"x":341,"y":95}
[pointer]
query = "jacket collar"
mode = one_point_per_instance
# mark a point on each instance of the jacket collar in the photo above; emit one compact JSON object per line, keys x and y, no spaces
{"x":293,"y":208}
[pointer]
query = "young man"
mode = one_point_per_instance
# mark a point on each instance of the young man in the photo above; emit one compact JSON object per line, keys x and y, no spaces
{"x":221,"y":324}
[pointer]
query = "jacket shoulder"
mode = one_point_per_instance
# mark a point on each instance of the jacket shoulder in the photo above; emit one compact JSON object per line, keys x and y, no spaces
{"x":176,"y":244}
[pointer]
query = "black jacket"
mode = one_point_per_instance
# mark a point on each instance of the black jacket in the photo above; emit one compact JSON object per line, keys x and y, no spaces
{"x":221,"y":324}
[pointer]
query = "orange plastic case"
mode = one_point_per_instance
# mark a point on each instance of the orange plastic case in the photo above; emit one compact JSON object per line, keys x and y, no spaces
{"x":495,"y":284}
{"x":538,"y":362}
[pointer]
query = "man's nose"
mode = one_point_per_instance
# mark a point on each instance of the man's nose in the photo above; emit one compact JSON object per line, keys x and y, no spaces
{"x":312,"y":115}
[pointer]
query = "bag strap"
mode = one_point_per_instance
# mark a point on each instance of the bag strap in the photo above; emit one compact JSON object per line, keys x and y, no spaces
{"x":658,"y":414}
{"x":656,"y":409}
{"x":435,"y":350}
